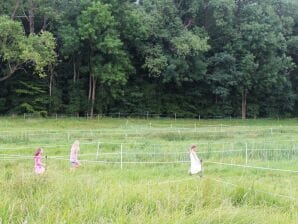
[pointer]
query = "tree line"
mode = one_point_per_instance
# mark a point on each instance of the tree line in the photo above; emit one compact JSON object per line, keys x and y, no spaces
{"x":208,"y":57}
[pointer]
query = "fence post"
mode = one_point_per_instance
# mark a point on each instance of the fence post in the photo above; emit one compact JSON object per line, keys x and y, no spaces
{"x":121,"y":157}
{"x":147,"y":115}
{"x":246,"y":153}
{"x":118,"y":114}
{"x":175,"y":116}
{"x":24,"y":115}
{"x":97,"y":152}
{"x":199,"y":117}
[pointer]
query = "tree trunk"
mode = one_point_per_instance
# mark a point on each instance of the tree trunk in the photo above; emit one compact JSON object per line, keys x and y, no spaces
{"x":45,"y":22}
{"x":31,"y":17}
{"x":51,"y":81}
{"x":10,"y":71}
{"x":90,"y":76}
{"x":243,"y":105}
{"x":51,"y":70}
{"x":93,"y":95}
{"x":5,"y":77}
{"x":15,"y":9}
{"x":90,"y":87}
{"x":74,"y":70}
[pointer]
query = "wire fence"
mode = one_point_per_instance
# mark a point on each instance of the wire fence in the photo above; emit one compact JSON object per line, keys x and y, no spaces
{"x":241,"y":158}
{"x":223,"y":151}
{"x":229,"y":184}
{"x":139,"y":135}
{"x":236,"y":159}
{"x":263,"y":155}
{"x":142,"y":115}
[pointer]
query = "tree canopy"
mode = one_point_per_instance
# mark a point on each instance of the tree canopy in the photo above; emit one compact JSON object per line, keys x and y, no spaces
{"x":199,"y":57}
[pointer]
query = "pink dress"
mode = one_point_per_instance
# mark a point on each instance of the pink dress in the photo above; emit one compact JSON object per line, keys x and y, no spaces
{"x":39,"y":169}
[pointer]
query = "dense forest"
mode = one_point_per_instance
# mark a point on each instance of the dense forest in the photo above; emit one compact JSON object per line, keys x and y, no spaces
{"x":234,"y":58}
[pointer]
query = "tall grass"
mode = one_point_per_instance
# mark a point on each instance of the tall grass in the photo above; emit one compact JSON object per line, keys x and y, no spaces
{"x":141,"y":193}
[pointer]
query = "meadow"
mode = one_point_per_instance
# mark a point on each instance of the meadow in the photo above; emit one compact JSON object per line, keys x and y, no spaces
{"x":135,"y":171}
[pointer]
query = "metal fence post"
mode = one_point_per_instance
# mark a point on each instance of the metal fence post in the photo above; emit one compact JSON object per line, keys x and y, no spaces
{"x":97,"y":152}
{"x":246,"y":155}
{"x":121,"y":157}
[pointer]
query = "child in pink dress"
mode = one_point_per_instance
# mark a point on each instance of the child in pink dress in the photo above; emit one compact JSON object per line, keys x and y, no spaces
{"x":39,"y":166}
{"x":75,"y":148}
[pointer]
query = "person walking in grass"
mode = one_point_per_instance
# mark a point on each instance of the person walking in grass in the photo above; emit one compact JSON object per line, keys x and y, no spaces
{"x":75,"y":148}
{"x":195,"y":162}
{"x":39,"y":166}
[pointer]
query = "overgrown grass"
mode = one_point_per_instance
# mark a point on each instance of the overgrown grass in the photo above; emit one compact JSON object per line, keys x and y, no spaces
{"x":144,"y":193}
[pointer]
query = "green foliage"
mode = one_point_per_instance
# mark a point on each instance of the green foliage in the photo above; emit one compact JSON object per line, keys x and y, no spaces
{"x":39,"y":49}
{"x":31,"y":98}
{"x":11,"y":35}
{"x":108,"y":60}
{"x":16,"y":49}
{"x":190,"y":57}
{"x":70,"y":40}
{"x":189,"y":44}
{"x":77,"y":102}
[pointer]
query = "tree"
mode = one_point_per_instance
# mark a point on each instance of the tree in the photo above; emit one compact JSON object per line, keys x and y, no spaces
{"x":108,"y":63}
{"x":18,"y":50}
{"x":170,"y":44}
{"x":207,"y":57}
{"x":251,"y":50}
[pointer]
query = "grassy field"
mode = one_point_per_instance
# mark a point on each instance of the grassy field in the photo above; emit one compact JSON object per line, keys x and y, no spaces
{"x":153,"y":185}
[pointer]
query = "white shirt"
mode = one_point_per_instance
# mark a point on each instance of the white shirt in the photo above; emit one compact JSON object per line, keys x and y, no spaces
{"x":195,"y":163}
